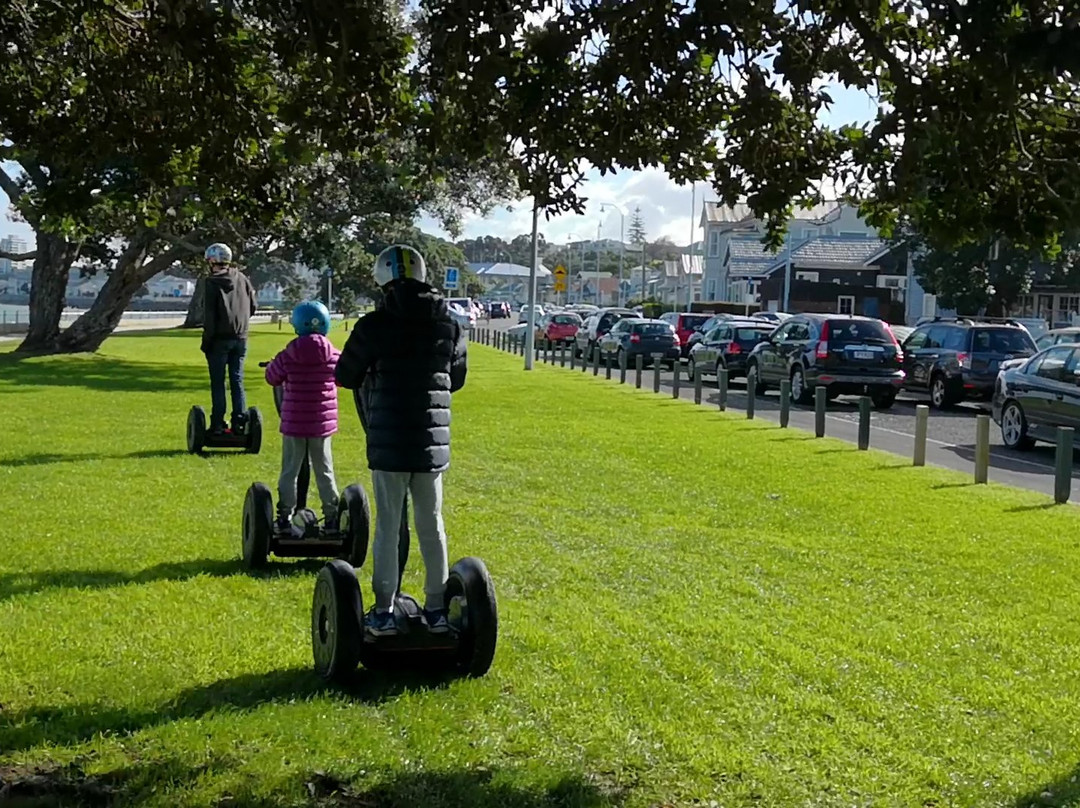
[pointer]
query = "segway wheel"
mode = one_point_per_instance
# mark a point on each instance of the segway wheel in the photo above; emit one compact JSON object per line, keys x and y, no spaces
{"x":196,"y":430}
{"x":258,"y":526}
{"x":337,"y":611}
{"x":354,"y":523}
{"x":254,"y":430}
{"x":470,"y":598}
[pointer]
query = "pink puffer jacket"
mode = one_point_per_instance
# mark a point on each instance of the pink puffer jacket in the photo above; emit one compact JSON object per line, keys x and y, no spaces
{"x":306,"y":368}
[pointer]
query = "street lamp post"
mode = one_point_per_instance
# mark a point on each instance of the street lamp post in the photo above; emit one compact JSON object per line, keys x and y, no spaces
{"x":622,"y":243}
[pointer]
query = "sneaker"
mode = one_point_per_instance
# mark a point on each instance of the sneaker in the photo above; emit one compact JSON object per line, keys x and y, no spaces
{"x":437,"y":621}
{"x":283,"y":526}
{"x":330,"y":525}
{"x":380,"y":623}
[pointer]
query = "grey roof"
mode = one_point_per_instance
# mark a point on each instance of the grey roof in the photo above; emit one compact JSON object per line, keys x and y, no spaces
{"x":506,"y":270}
{"x":748,"y":269}
{"x":716,"y":213}
{"x":749,"y":249}
{"x":838,"y":252}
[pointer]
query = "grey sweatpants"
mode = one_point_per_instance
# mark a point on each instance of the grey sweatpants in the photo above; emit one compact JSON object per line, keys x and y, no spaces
{"x":426,"y":490}
{"x":322,"y":471}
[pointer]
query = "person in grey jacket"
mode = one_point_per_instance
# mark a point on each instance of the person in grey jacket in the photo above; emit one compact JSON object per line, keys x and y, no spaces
{"x":406,"y":358}
{"x":229,"y":303}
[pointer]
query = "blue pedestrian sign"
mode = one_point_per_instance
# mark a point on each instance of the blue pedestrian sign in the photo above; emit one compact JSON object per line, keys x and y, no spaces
{"x":451,"y":278}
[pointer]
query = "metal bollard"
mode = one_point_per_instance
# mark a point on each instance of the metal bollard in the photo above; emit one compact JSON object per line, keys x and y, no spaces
{"x":656,"y":375}
{"x":820,"y":403}
{"x":982,"y":448}
{"x":785,"y":403}
{"x":573,"y":357}
{"x":751,"y":398}
{"x":722,"y":387}
{"x":639,"y":365}
{"x":562,"y":354}
{"x":864,"y":423}
{"x":922,"y":416}
{"x":622,"y":367}
{"x":676,"y":371}
{"x":547,"y":350}
{"x":1063,"y":464}
{"x":607,"y":366}
{"x":697,"y":384}
{"x":584,"y":360}
{"x":596,"y":361}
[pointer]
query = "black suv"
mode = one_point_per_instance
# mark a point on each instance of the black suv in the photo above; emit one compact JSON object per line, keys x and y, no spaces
{"x":846,"y":354}
{"x":956,"y":358}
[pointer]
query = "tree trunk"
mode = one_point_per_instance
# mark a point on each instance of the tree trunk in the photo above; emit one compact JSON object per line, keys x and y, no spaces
{"x":100,"y":320}
{"x":194,"y":317}
{"x":48,"y":292}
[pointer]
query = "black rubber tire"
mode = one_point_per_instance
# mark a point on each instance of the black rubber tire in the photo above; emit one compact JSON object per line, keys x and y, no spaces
{"x":759,"y":387}
{"x":196,"y":430}
{"x":254,"y":431}
{"x":883,"y":400}
{"x":1025,"y":442}
{"x":354,"y":522}
{"x":690,"y":367}
{"x":337,"y":614}
{"x":478,"y":616}
{"x":806,"y":394}
{"x":944,"y":400}
{"x":257,"y":527}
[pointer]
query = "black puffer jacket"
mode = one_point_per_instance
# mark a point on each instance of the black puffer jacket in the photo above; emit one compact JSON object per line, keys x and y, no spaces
{"x":229,"y":305}
{"x":406,"y":358}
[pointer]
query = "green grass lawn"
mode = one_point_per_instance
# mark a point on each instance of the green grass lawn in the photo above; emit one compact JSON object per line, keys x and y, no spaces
{"x":695,"y":610}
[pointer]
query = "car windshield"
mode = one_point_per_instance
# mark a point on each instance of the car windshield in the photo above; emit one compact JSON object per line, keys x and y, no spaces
{"x":566,"y":319}
{"x":694,"y":320}
{"x":844,"y":332}
{"x":652,"y":329}
{"x":1000,"y":340}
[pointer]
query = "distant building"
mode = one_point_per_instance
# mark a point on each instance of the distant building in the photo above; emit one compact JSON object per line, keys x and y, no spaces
{"x":13,"y":244}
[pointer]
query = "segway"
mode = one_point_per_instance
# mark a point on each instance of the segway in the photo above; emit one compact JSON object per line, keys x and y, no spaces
{"x":307,"y":537}
{"x":246,"y":436}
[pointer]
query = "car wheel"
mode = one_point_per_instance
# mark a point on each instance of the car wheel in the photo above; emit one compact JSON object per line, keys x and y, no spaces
{"x":719,"y":367}
{"x":800,"y":394}
{"x":1014,"y":427}
{"x":884,"y":400}
{"x":939,"y":393}
{"x":690,"y":368}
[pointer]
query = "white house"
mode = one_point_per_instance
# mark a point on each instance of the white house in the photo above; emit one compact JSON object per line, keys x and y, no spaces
{"x":170,"y":286}
{"x":734,"y":256}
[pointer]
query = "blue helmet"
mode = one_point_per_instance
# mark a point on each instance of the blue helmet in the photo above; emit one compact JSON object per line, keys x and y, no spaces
{"x":311,"y":317}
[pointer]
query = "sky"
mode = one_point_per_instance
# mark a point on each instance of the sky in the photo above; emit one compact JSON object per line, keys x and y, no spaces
{"x":665,"y":207}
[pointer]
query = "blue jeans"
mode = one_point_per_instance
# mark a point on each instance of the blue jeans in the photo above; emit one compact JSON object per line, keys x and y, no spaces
{"x":226,"y":353}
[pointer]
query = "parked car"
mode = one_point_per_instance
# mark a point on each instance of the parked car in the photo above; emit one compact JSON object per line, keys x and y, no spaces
{"x":727,"y":345}
{"x":846,"y":354}
{"x":631,"y":337}
{"x":1034,"y":396}
{"x":1057,"y":336}
{"x":466,"y":318}
{"x":596,"y":325}
{"x":560,"y":327}
{"x":498,"y":310}
{"x":775,"y":317}
{"x":707,"y":326}
{"x":523,"y":315}
{"x":954,"y":359}
{"x":684,"y":323}
{"x":901,"y":332}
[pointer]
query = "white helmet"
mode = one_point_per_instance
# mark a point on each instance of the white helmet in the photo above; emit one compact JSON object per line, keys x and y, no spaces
{"x":399,"y":261}
{"x":218,"y":254}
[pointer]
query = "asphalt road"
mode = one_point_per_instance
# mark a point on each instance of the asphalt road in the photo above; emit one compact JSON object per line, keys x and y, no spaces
{"x":950,"y":434}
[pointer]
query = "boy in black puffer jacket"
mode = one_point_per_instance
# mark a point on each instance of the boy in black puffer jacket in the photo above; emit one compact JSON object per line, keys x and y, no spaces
{"x":406,"y":358}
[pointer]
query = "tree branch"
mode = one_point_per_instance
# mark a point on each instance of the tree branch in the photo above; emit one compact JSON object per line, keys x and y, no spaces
{"x":9,"y":186}
{"x":18,"y":256}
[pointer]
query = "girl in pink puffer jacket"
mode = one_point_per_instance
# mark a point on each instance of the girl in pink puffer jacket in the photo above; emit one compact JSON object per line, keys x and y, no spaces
{"x":309,"y":412}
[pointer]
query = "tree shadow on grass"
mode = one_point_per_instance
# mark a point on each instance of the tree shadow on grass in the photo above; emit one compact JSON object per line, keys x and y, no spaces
{"x":53,"y":784}
{"x":1063,"y":791}
{"x":96,"y":372}
{"x":31,"y":582}
{"x":75,"y":724}
{"x":48,"y":458}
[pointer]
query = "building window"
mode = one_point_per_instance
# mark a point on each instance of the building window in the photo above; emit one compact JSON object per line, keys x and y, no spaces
{"x":845,"y":304}
{"x":712,"y":289}
{"x":806,"y":276}
{"x":892,"y":281}
{"x":714,"y":244}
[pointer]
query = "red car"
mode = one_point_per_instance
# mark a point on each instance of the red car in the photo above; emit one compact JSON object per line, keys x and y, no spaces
{"x":560,"y":326}
{"x":685,"y":324}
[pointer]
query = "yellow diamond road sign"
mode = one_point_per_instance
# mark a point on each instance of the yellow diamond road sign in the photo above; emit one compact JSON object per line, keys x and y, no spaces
{"x":560,"y":278}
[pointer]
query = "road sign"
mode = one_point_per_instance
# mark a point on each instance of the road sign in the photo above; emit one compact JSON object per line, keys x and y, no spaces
{"x":451,"y":282}
{"x":560,"y":278}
